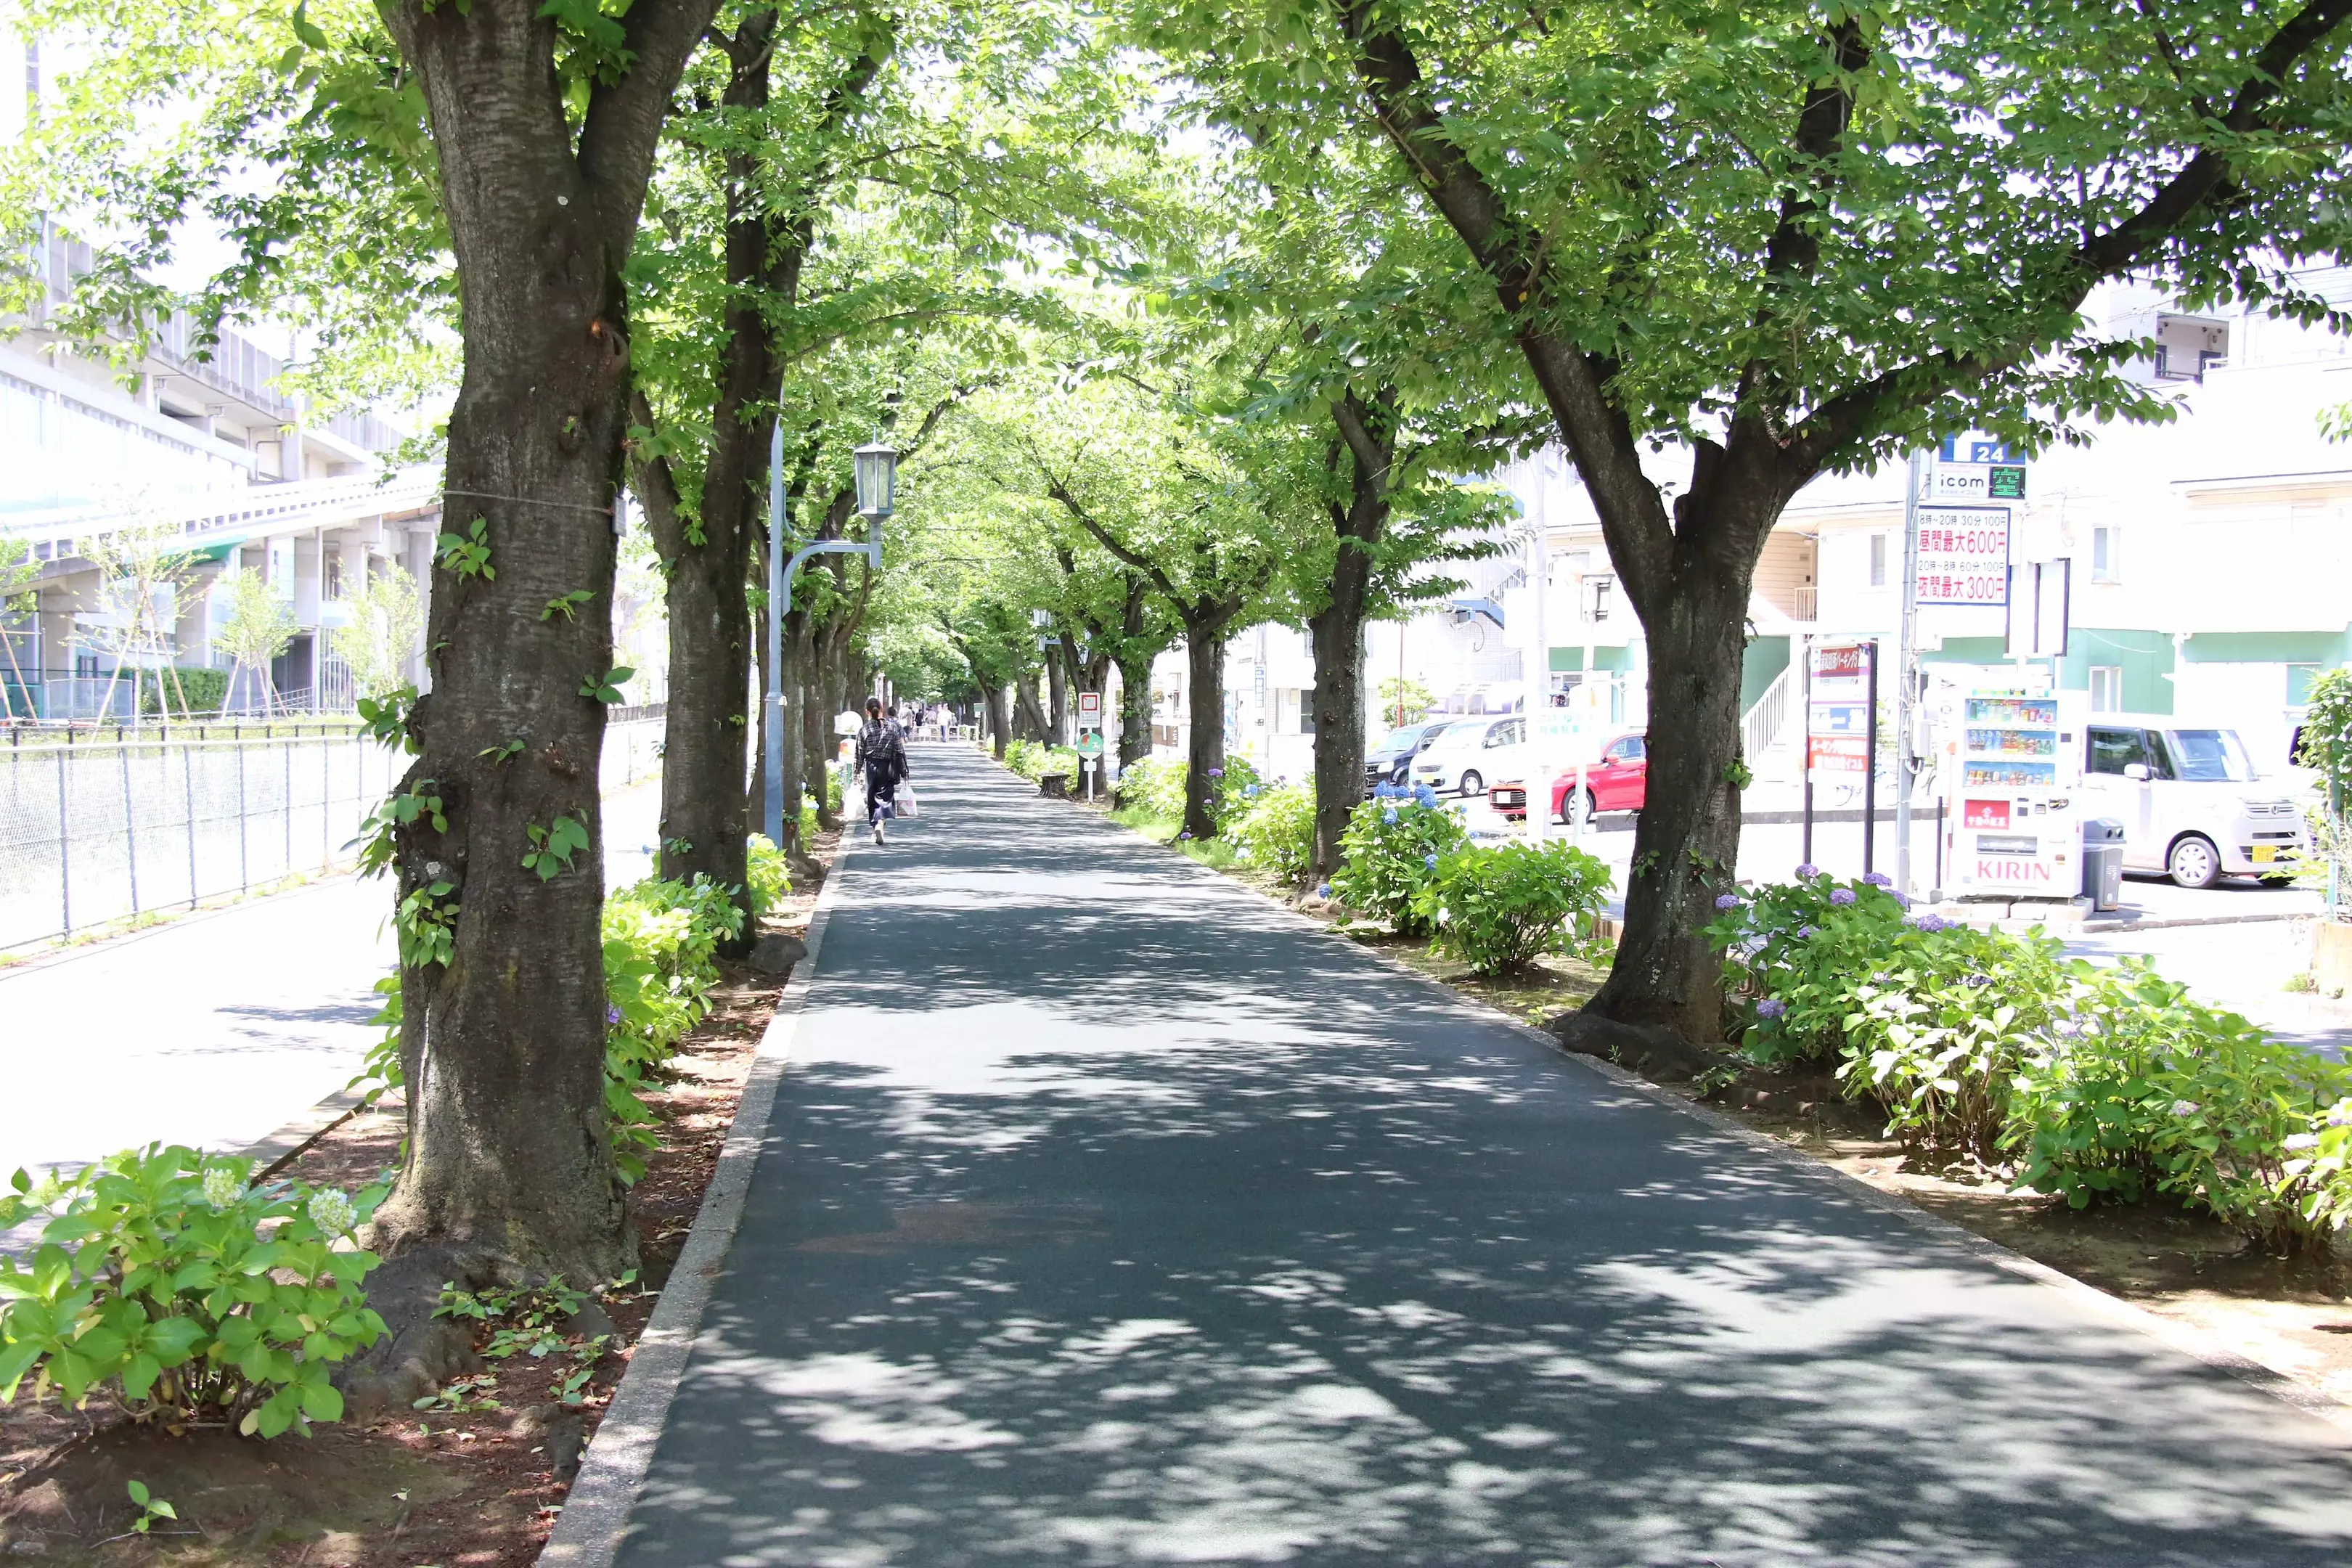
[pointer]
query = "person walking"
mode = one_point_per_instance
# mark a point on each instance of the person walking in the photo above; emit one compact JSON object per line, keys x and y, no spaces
{"x":882,"y":758}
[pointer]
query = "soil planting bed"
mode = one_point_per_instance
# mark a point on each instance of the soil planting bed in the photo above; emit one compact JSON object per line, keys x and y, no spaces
{"x":479,"y":1485}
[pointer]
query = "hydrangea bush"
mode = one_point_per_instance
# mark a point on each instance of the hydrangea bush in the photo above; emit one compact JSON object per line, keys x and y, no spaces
{"x":767,"y":878}
{"x":2099,"y":1083}
{"x":161,"y":1274}
{"x":1391,"y":850}
{"x":1495,"y":910}
{"x":1276,"y":833}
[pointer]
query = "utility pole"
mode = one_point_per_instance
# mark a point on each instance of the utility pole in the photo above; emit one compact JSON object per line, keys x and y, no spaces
{"x":1905,"y":679}
{"x":1538,"y":701}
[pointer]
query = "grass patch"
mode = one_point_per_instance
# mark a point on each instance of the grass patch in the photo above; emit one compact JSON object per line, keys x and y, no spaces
{"x":1216,"y":854}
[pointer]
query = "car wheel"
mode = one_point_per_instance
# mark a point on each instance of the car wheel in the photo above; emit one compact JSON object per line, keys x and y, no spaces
{"x":2194,"y":862}
{"x":1472,"y":784}
{"x":1565,"y":818}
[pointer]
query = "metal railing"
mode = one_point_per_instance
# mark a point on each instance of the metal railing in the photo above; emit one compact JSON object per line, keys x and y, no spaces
{"x":101,"y":830}
{"x":1763,"y":722}
{"x":1808,"y":605}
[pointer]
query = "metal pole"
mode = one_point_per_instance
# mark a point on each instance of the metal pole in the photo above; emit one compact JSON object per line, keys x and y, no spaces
{"x":778,"y":584}
{"x":288,"y":869}
{"x":188,"y":783}
{"x":65,"y":841}
{"x":1539,"y":686}
{"x":872,"y":548}
{"x":1907,"y":764}
{"x":1805,"y":649}
{"x":1870,"y":767}
{"x":244,"y":873}
{"x":129,"y":828}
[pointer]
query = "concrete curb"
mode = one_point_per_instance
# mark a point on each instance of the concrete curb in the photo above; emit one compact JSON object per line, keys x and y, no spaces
{"x":2309,"y":1397}
{"x":278,"y":1150}
{"x":588,"y":1532}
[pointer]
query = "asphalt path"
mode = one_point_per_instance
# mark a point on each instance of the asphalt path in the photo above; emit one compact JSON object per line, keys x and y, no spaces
{"x":1109,"y":1214}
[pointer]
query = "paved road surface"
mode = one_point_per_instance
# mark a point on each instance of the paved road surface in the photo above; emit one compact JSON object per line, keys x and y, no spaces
{"x":1108,"y":1217}
{"x":218,"y":1029}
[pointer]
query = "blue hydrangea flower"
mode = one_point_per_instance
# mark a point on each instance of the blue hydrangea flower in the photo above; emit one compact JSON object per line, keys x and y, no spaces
{"x":1840,"y":895}
{"x":1771,"y":1007}
{"x":1322,"y":890}
{"x":1248,"y":790}
{"x":1727,"y":901}
{"x":1430,"y":861}
{"x":1808,"y":870}
{"x":1980,"y":980}
{"x":1389,"y":815}
{"x":1879,"y":880}
{"x":1424,"y":796}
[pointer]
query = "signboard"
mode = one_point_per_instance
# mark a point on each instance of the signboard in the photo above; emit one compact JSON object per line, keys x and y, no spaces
{"x":1963,"y":555}
{"x":1837,"y":719}
{"x":1090,"y":744}
{"x":1089,"y":710}
{"x":1992,"y":813}
{"x":2005,"y":481}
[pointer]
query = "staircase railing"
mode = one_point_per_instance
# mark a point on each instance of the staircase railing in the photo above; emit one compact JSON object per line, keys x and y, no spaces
{"x":1768,"y":715}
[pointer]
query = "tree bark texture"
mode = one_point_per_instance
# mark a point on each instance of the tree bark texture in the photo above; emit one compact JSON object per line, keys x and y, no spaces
{"x":1058,"y":663}
{"x":999,"y":718}
{"x":1204,"y":658}
{"x":503,"y":1048}
{"x":1336,"y":632}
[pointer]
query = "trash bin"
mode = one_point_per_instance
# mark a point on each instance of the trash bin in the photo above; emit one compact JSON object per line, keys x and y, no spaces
{"x":2103,"y":862}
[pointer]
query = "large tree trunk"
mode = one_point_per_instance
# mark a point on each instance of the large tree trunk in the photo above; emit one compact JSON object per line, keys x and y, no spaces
{"x":1134,"y":716}
{"x":1686,"y":840}
{"x":503,"y":1049}
{"x":999,"y":720}
{"x":1336,"y":635}
{"x":1057,"y":694}
{"x":1028,"y":714}
{"x":1204,"y":653}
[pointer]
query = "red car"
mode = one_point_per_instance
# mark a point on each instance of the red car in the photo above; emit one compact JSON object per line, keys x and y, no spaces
{"x":1617,"y":781}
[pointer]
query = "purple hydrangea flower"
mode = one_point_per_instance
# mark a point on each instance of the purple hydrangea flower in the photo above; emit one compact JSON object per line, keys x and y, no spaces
{"x":1806,"y":933}
{"x":1879,"y":880}
{"x":1980,"y":980}
{"x":1808,"y":870}
{"x":1186,"y":835}
{"x":1727,"y":901}
{"x":1216,"y":773}
{"x":612,"y":1014}
{"x":1928,"y":922}
{"x":1840,"y":895}
{"x":1771,"y":1007}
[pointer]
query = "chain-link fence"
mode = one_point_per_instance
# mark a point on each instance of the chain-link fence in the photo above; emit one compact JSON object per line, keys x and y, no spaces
{"x":103,"y":830}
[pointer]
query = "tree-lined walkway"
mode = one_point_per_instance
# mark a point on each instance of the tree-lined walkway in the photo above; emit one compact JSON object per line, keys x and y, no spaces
{"x":1108,"y":1216}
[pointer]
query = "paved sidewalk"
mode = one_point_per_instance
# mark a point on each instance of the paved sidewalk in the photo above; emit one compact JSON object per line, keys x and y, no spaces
{"x":1108,"y":1216}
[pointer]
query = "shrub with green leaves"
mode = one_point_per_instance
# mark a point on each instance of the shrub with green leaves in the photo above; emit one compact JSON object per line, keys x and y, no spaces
{"x":1390,"y":849}
{"x":1154,"y":787}
{"x":1276,"y":832}
{"x":767,"y":878}
{"x":2142,"y":1089}
{"x":160,"y":1273}
{"x":1495,"y":910}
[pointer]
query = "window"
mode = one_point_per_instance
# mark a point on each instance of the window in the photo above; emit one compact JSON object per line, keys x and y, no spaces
{"x":2107,"y":554}
{"x":1504,"y":734}
{"x":1598,"y":590}
{"x":2209,"y":756}
{"x":2107,"y":688}
{"x":1629,"y":750}
{"x":1306,"y":712}
{"x":1878,"y":561}
{"x":2113,"y":749}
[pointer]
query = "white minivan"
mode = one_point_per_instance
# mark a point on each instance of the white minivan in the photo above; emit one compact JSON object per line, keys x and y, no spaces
{"x":2190,"y":801}
{"x":1472,"y":753}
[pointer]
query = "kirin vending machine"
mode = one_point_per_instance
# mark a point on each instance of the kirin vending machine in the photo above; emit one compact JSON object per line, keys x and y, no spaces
{"x":2016,"y":826}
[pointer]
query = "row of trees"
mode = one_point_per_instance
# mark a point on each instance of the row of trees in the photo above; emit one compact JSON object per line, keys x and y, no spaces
{"x":1187,"y":313}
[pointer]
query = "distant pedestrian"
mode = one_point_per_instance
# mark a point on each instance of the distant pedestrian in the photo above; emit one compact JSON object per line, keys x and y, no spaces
{"x":882,"y":758}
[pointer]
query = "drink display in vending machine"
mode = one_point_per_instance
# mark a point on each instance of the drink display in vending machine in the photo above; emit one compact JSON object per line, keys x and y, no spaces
{"x":2016,"y":826}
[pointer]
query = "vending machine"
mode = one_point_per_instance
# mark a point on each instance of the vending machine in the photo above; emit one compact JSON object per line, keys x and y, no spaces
{"x":2016,"y":822}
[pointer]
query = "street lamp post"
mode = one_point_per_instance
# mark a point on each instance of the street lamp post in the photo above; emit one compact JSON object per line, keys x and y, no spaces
{"x":876,"y":476}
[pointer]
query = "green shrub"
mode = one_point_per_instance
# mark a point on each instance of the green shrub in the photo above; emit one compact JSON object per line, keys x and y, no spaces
{"x":1034,"y":760}
{"x":1391,"y":845}
{"x":1276,"y":833}
{"x":1803,"y":946}
{"x":1155,"y":787}
{"x":201,"y":689}
{"x":2141,"y":1088}
{"x":767,"y":877}
{"x":161,"y":1273}
{"x":1495,"y":910}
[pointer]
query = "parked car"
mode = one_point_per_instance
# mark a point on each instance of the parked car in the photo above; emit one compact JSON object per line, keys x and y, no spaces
{"x":2192,"y":804}
{"x":1618,"y":780}
{"x":1471,"y":751}
{"x":1388,"y":760}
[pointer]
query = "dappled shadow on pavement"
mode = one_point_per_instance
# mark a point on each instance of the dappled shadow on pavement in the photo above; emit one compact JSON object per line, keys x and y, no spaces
{"x":1107,"y":1216}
